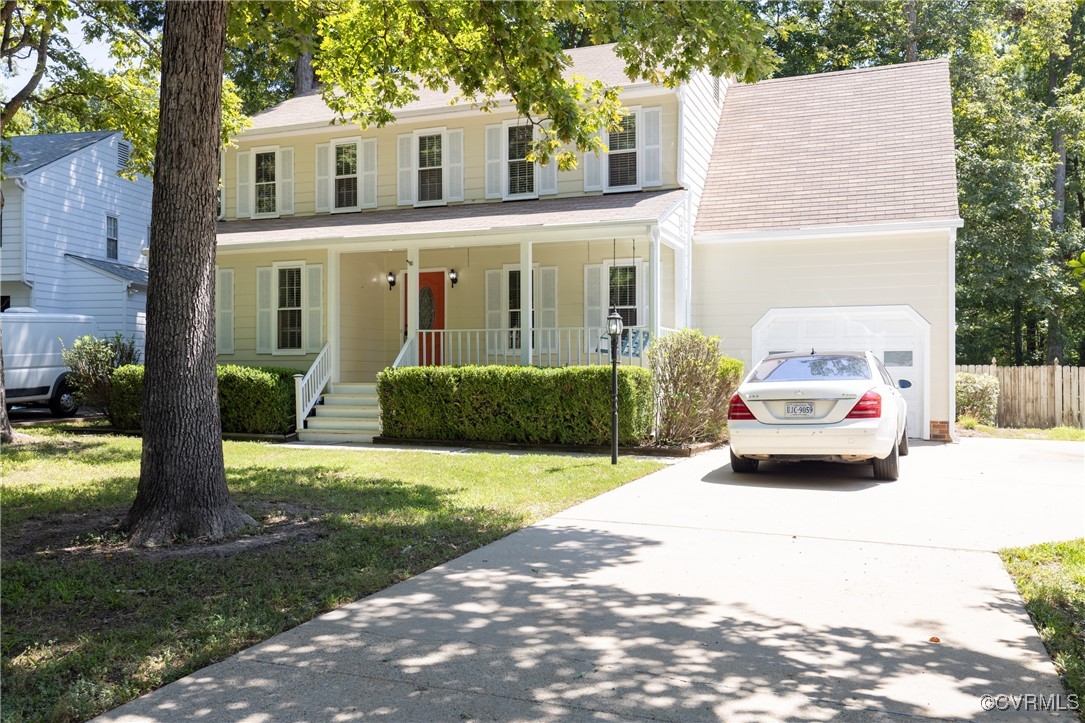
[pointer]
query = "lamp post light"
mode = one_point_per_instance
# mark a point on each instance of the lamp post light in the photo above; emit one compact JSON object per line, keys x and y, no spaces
{"x":614,"y":329}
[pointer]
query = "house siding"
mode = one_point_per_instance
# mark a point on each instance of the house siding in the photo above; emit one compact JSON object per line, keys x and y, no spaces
{"x":11,"y":233}
{"x":304,"y":144}
{"x":91,"y":290}
{"x":737,"y":283}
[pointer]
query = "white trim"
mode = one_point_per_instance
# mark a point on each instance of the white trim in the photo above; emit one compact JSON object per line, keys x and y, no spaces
{"x":638,"y":152}
{"x":253,"y":152}
{"x":275,"y":267}
{"x":821,"y":232}
{"x":333,"y":144}
{"x":505,"y":160}
{"x":951,"y":292}
{"x":441,"y":131}
{"x":331,"y":282}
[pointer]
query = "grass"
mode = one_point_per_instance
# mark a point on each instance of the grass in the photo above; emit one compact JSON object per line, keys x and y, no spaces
{"x":89,"y":624}
{"x":1057,"y":434}
{"x":1051,"y":580}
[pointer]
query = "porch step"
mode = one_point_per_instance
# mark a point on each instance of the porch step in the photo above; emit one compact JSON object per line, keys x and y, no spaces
{"x":353,"y":388}
{"x":350,"y":400}
{"x":344,"y":410}
{"x":343,"y":424}
{"x":334,"y":436}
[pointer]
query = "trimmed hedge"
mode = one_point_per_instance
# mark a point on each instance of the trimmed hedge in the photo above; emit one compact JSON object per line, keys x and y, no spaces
{"x":564,"y":405}
{"x":252,"y":400}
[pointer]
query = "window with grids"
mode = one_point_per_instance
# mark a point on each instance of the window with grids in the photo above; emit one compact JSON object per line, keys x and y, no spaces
{"x":111,"y":237}
{"x":623,"y":293}
{"x":521,"y":170}
{"x":513,"y":286}
{"x":265,"y":182}
{"x":430,"y":169}
{"x":346,"y":175}
{"x":622,"y":160}
{"x":289,"y":307}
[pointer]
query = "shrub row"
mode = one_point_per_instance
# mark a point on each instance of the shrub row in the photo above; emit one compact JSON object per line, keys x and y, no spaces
{"x":252,"y":400}
{"x":566,"y":405}
{"x":977,"y":397}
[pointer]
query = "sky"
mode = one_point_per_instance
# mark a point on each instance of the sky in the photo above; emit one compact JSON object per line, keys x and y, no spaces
{"x":96,"y":54}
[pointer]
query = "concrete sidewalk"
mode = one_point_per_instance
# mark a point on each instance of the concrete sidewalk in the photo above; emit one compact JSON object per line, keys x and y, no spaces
{"x":693,"y":594}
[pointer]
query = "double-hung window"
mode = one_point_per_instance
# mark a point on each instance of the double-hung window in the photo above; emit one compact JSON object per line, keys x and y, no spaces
{"x":345,"y":183}
{"x":265,"y":182}
{"x":623,"y":293}
{"x":622,"y":160}
{"x":634,"y":159}
{"x":515,"y":315}
{"x":520,"y":172}
{"x":112,"y":237}
{"x":346,"y":175}
{"x":430,"y":167}
{"x":289,"y":308}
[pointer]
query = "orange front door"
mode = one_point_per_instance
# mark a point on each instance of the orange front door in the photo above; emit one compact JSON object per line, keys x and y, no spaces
{"x":431,"y":315}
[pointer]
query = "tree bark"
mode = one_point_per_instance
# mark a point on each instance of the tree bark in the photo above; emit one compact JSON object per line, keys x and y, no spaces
{"x":1018,"y":334}
{"x":911,"y":52}
{"x":304,"y":77}
{"x":182,"y":485}
{"x":7,"y":434}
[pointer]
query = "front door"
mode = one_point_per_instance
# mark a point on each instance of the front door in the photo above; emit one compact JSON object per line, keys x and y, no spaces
{"x":431,"y":314}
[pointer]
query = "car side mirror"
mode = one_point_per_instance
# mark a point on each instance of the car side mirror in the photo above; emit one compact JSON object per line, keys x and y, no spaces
{"x":904,"y":384}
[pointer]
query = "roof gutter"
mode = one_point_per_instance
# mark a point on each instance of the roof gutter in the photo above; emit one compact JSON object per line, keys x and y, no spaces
{"x":822,"y":232}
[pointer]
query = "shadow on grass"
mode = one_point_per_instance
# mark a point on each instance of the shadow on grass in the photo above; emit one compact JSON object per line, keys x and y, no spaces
{"x":83,"y":451}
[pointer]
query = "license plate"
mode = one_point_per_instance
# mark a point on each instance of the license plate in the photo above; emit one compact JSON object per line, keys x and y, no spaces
{"x":803,"y":409}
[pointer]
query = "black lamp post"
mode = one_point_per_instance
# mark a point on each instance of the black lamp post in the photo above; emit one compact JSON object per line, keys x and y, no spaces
{"x":614,"y":329}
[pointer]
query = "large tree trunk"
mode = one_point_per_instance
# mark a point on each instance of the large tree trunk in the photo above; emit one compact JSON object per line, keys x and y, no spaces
{"x":911,"y":52}
{"x":182,"y":484}
{"x":304,"y":77}
{"x":6,"y":433}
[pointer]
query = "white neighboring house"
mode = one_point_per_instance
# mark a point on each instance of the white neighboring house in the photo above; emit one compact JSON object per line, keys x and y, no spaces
{"x":73,"y":230}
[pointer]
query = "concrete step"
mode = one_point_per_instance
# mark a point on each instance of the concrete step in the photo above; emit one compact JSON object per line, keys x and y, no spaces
{"x":334,"y":437}
{"x":353,"y":388}
{"x":350,"y":400}
{"x":342,"y":424}
{"x":343,"y":410}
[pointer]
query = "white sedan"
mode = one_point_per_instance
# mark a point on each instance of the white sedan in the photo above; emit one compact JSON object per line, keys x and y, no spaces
{"x":834,"y":407}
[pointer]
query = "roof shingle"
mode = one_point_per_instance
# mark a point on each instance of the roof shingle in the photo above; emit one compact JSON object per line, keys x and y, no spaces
{"x":33,"y":152}
{"x":856,"y":147}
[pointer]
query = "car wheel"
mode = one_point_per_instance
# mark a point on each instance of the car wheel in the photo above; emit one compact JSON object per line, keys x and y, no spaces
{"x":63,"y":404}
{"x":887,"y":469}
{"x":741,"y":465}
{"x":902,"y":448}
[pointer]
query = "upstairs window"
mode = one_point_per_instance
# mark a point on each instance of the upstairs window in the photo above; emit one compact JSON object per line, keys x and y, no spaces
{"x":622,"y":165}
{"x":430,"y":167}
{"x":265,"y":182}
{"x":264,"y":179}
{"x":346,"y":175}
{"x":521,"y":172}
{"x":111,"y":237}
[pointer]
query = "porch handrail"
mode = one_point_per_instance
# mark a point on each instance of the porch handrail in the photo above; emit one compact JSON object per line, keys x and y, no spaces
{"x":309,"y":386}
{"x":555,"y":346}
{"x":407,"y":356}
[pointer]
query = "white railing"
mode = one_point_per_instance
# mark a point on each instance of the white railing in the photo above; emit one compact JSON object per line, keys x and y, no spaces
{"x":408,"y":355}
{"x":565,"y":346}
{"x":309,"y":386}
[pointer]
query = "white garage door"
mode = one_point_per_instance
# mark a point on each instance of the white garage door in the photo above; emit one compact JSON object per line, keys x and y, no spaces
{"x":897,"y":335}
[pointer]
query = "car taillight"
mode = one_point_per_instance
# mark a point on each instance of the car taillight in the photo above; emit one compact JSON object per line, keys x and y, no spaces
{"x":869,"y":407}
{"x":737,"y":409}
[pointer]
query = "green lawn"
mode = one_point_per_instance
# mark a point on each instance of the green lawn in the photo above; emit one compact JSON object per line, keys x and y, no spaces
{"x":1051,"y":579}
{"x":89,"y":624}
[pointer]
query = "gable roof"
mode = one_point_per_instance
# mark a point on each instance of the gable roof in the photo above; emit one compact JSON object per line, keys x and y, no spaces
{"x":33,"y":152}
{"x":468,"y":220}
{"x":598,"y":62}
{"x":131,"y":274}
{"x":852,"y":148}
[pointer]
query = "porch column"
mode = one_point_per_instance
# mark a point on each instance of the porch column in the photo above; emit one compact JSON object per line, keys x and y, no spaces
{"x":526,"y":307}
{"x":412,"y":300}
{"x":654,"y":285}
{"x":680,"y":289}
{"x":333,"y":312}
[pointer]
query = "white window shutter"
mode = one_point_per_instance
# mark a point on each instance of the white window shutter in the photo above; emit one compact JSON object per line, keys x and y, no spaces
{"x":224,"y":311}
{"x":594,"y":315}
{"x":547,"y":294}
{"x":264,"y":312}
{"x":454,"y":166}
{"x":593,"y":171}
{"x":405,"y":171}
{"x":244,"y":184}
{"x":285,"y":172}
{"x":312,"y":331}
{"x":494,"y":161}
{"x":547,"y":175}
{"x":369,"y":173}
{"x":494,"y":336}
{"x":323,"y":177}
{"x":642,"y":293}
{"x":652,"y":148}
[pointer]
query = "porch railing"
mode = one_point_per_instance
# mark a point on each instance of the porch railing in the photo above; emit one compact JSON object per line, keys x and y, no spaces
{"x":564,"y":346}
{"x":309,"y":386}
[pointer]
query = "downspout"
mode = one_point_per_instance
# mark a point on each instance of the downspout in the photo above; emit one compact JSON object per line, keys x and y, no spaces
{"x":27,"y":281}
{"x":952,"y":311}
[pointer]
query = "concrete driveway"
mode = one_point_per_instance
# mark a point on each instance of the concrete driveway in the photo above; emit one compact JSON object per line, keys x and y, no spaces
{"x":807,"y":593}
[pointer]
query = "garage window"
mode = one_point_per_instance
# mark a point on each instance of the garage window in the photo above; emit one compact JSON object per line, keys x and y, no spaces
{"x":898,"y":358}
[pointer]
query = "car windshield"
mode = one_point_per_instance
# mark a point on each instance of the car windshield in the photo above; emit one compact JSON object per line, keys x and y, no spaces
{"x":819,"y":367}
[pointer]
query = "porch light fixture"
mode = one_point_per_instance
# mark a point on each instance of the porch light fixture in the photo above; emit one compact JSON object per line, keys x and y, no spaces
{"x":453,"y":277}
{"x":614,"y":330}
{"x":391,"y":280}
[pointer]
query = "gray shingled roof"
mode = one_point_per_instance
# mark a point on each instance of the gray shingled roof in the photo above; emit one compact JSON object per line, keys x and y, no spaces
{"x":33,"y":152}
{"x":127,"y":273}
{"x":857,"y":147}
{"x":596,"y":63}
{"x":468,"y":219}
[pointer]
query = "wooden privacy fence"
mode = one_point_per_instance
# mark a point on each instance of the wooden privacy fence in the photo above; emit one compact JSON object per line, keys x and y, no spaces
{"x":1040,"y":397}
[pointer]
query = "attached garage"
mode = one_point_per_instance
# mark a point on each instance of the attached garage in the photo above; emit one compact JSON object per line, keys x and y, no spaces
{"x":898,"y":335}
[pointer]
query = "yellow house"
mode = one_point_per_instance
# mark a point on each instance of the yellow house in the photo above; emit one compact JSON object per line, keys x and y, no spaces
{"x":343,"y":252}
